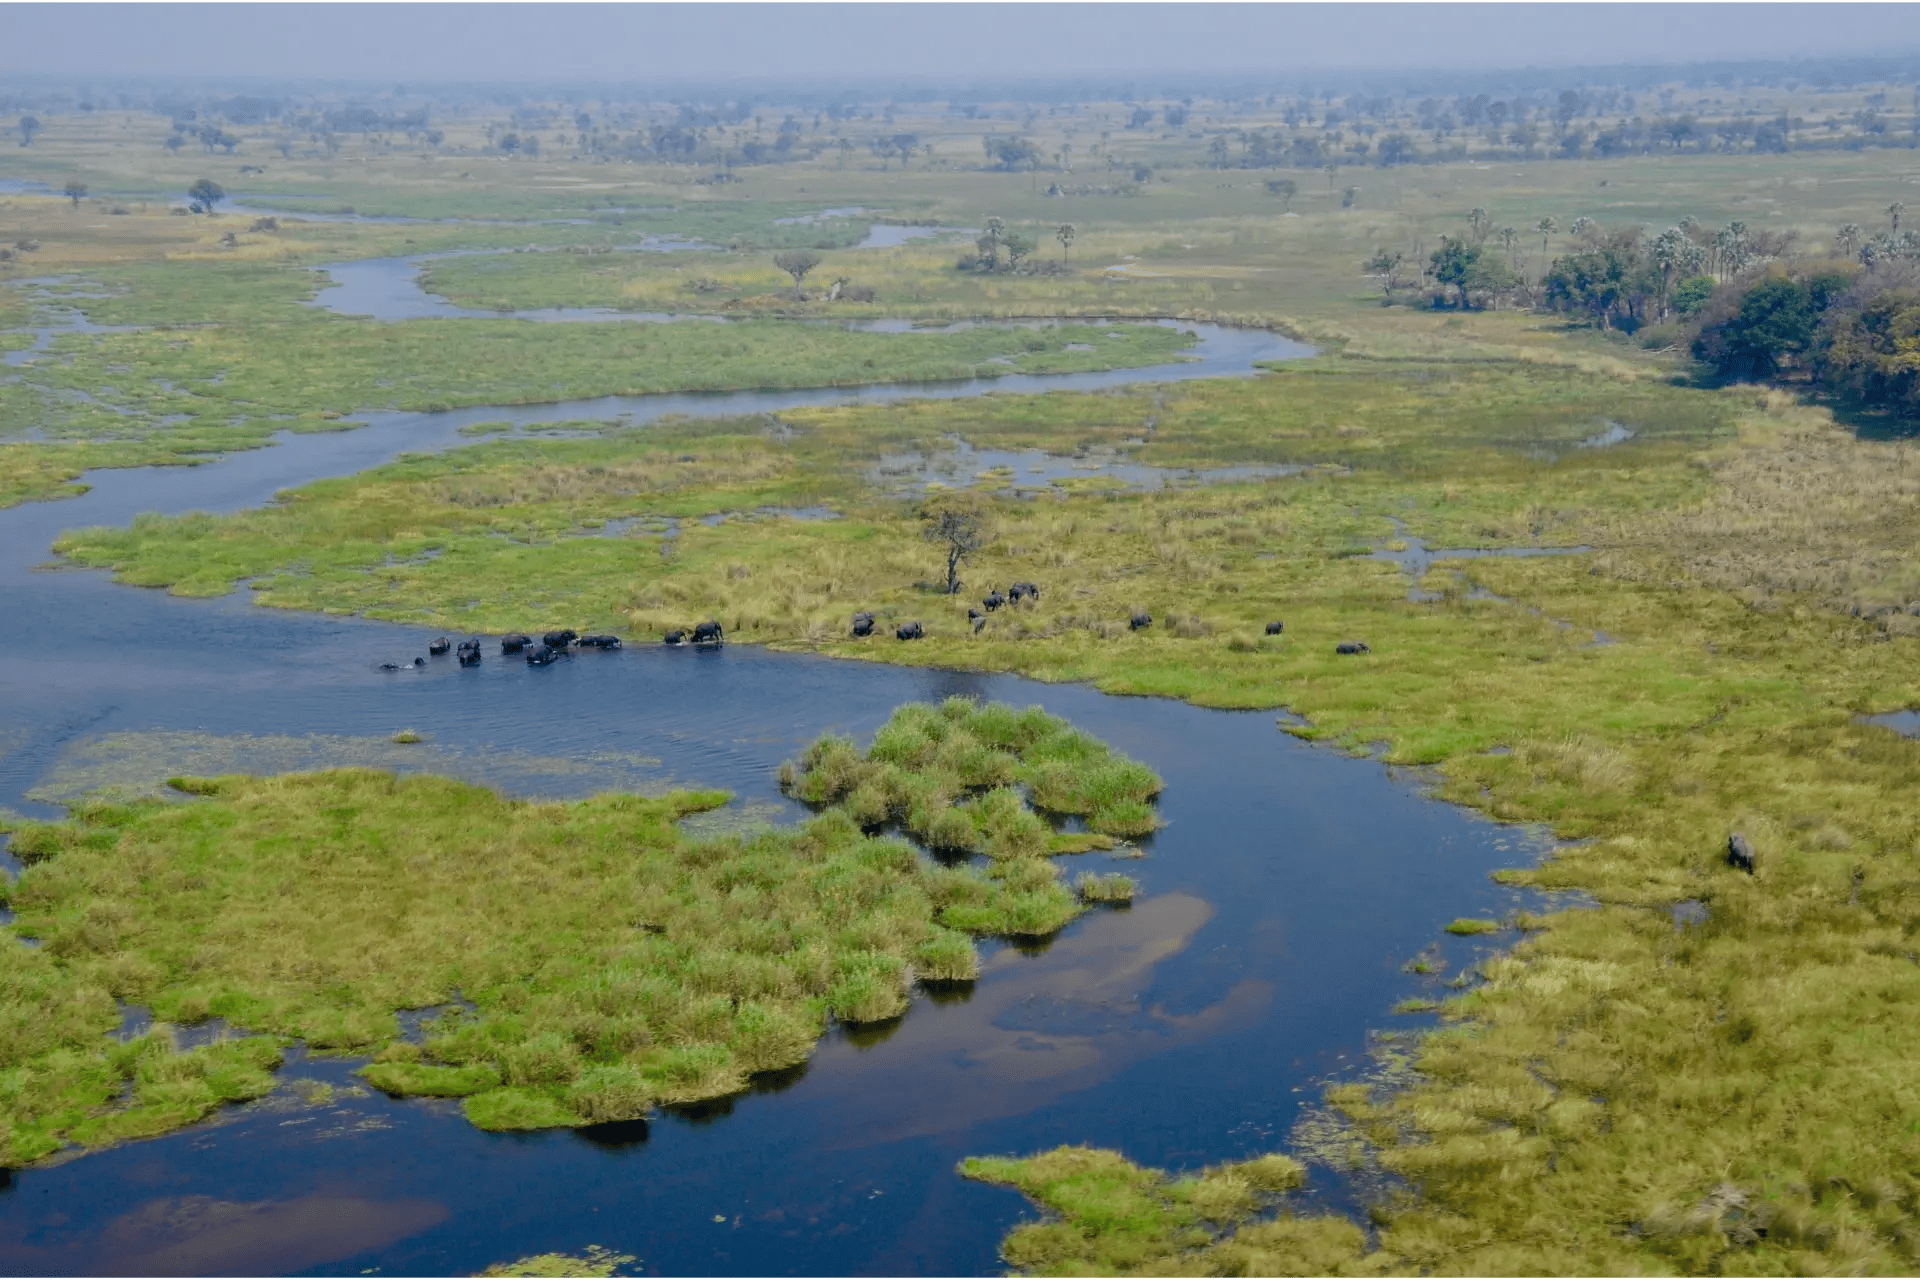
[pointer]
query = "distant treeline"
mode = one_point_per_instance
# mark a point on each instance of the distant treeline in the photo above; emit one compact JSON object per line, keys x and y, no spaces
{"x":38,"y":92}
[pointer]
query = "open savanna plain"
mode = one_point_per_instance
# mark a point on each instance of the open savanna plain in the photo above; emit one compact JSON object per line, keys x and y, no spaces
{"x":1726,"y":1089}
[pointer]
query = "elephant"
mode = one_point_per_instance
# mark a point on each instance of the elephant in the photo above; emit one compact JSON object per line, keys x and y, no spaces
{"x":598,"y":642}
{"x":909,"y":631}
{"x":862,"y":624}
{"x":1139,"y":621}
{"x":469,"y":653}
{"x":1352,"y":646}
{"x":439,"y":647}
{"x":674,"y":637}
{"x":709,"y":632}
{"x":994,"y":601}
{"x":1019,"y":589}
{"x":542,"y":656}
{"x":1741,"y":853}
{"x":514,"y":644}
{"x":559,"y":639}
{"x":1275,"y":628}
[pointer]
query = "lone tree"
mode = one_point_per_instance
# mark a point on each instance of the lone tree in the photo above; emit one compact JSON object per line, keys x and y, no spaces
{"x":796,"y":263}
{"x":954,"y":521}
{"x":1284,"y":188}
{"x":1385,"y":263}
{"x":1017,"y":247}
{"x":1065,"y":236}
{"x":204,"y":194}
{"x":76,"y":191}
{"x":29,"y":125}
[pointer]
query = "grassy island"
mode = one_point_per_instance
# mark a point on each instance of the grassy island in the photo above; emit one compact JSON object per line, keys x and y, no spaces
{"x":585,"y":962}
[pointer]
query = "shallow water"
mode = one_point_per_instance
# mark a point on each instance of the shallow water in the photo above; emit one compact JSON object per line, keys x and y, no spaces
{"x":1905,"y":723}
{"x":1278,"y":907}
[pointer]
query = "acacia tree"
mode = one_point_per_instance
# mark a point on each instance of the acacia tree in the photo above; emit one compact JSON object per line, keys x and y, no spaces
{"x":75,"y":191}
{"x":1384,"y":263}
{"x":1017,"y":247}
{"x":956,"y":523}
{"x":204,"y":194}
{"x":29,"y":125}
{"x":796,"y":263}
{"x":1286,"y":189}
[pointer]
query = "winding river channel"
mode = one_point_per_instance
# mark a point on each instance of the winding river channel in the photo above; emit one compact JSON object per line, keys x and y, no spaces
{"x":1279,"y":908}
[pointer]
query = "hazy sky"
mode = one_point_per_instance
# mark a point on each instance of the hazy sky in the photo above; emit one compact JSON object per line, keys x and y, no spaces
{"x":456,"y":41}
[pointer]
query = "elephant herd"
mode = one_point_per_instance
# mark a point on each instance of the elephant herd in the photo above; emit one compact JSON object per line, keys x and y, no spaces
{"x":551,"y":646}
{"x":554,"y":645}
{"x":865,"y":621}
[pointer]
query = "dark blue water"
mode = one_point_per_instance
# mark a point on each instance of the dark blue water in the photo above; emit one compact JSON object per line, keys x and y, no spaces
{"x":1278,"y":909}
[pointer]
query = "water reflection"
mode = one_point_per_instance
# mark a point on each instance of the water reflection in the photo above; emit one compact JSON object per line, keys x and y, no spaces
{"x":199,"y":1235}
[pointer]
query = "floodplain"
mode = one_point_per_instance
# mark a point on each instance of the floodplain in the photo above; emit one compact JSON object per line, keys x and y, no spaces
{"x":1693,"y":1069}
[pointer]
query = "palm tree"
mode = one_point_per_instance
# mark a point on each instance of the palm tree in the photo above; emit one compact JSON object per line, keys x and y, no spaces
{"x":1479,"y":220}
{"x":1507,"y":236}
{"x":1546,"y":227}
{"x":1894,"y":211}
{"x":1847,"y":239}
{"x":1065,"y":236}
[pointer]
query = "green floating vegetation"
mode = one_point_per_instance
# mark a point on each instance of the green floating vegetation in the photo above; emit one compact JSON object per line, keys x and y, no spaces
{"x":595,"y":1260}
{"x":950,"y":775}
{"x":1115,"y":1218}
{"x":1466,"y":926}
{"x":609,"y":961}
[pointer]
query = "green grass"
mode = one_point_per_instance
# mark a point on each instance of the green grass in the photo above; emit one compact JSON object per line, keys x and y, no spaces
{"x":1115,"y":1218}
{"x":612,"y":962}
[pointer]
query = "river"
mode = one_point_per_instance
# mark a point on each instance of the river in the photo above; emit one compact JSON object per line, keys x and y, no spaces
{"x":1279,"y":907}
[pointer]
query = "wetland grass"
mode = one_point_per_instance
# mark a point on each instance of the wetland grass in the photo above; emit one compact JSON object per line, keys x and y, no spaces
{"x":1618,"y":1095}
{"x":609,"y":962}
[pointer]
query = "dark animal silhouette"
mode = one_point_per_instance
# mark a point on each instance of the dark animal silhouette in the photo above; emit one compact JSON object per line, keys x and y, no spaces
{"x":514,"y":644}
{"x":542,"y":656}
{"x":994,"y":601}
{"x":863,"y":624}
{"x":597,"y":642}
{"x":1275,"y":628}
{"x":975,"y":616}
{"x":469,"y":653}
{"x":559,"y":639}
{"x":1139,"y":620}
{"x":389,"y":666}
{"x":709,"y":632}
{"x":674,"y":637}
{"x":1352,"y":646}
{"x":1740,"y":853}
{"x":439,"y":646}
{"x":979,"y":623}
{"x":909,"y":631}
{"x":1019,"y":589}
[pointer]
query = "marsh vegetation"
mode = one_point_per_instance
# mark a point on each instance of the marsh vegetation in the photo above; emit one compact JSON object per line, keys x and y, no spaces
{"x":1614,"y":1092}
